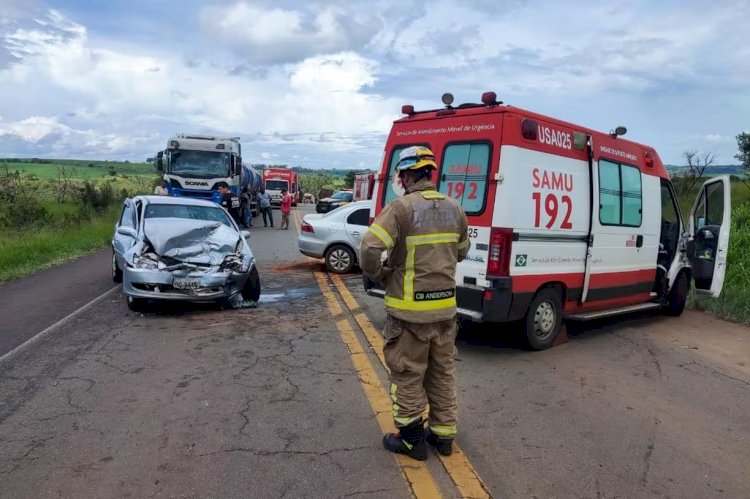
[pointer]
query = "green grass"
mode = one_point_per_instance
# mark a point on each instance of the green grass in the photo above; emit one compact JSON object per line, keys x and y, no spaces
{"x":36,"y":249}
{"x":734,"y":302}
{"x":80,"y":170}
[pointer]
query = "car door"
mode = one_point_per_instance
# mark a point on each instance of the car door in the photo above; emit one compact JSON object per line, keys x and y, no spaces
{"x":356,"y":226}
{"x":710,"y":221}
{"x":125,"y":231}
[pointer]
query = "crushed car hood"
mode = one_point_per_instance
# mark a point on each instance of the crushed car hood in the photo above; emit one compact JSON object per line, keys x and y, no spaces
{"x":190,"y":241}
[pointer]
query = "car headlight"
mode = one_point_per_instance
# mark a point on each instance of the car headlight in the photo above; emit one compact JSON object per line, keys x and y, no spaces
{"x":144,"y":263}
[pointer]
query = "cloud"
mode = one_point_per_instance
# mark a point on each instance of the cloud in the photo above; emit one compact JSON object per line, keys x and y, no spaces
{"x":277,"y":35}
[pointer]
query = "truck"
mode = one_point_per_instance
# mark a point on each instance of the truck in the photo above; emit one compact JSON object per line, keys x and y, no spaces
{"x":193,"y":165}
{"x":275,"y":179}
{"x":363,"y":184}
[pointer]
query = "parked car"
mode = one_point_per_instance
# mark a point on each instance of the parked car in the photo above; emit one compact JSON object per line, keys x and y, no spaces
{"x":337,"y":199}
{"x":335,"y":236}
{"x":176,"y":248}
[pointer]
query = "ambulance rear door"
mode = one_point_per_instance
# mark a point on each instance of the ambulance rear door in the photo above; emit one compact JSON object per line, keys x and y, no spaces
{"x":708,"y":243}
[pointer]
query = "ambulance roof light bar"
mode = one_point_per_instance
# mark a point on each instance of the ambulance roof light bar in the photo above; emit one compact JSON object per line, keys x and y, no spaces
{"x":620,"y":130}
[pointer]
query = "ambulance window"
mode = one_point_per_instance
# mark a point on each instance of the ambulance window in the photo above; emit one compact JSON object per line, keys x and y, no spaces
{"x":609,"y":193}
{"x":632,"y":202}
{"x":464,"y":173}
{"x":715,"y":205}
{"x":620,"y":195}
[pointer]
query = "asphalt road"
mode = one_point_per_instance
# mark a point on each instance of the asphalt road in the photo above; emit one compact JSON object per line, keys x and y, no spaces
{"x":287,"y":400}
{"x":28,"y":306}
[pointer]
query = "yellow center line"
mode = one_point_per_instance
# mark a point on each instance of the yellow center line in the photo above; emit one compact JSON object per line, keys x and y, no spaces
{"x":416,"y":472}
{"x":458,"y":466}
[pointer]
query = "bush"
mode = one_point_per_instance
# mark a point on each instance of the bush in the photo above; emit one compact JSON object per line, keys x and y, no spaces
{"x":25,"y":211}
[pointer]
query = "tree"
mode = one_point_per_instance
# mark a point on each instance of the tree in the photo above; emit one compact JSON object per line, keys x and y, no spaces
{"x":743,"y":145}
{"x":349,"y":179}
{"x":696,"y":165}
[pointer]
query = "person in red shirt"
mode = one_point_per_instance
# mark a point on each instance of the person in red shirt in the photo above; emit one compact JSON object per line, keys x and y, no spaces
{"x":286,"y":208}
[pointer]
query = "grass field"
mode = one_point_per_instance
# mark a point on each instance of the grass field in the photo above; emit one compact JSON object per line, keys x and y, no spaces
{"x":33,"y":250}
{"x":80,"y":170}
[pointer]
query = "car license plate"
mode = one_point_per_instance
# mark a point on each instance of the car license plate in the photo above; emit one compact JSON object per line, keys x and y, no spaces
{"x":186,"y":283}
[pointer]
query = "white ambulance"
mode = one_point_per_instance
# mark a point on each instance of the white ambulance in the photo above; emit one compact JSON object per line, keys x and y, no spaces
{"x":564,"y":221}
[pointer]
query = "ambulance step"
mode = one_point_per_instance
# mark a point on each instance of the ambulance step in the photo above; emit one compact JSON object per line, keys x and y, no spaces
{"x":599,"y":314}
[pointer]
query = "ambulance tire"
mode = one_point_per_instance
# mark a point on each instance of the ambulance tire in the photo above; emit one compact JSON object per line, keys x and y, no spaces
{"x":678,"y":295}
{"x":543,"y":319}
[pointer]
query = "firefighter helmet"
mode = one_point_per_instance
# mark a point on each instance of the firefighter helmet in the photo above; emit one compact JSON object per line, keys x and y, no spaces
{"x":416,"y":157}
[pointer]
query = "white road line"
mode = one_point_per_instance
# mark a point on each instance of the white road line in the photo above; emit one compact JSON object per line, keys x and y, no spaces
{"x":39,"y":336}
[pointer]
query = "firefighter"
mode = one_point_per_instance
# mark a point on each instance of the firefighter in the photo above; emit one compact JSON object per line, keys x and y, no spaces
{"x":425,"y":234}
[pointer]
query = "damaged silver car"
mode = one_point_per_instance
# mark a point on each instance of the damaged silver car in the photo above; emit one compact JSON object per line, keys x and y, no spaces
{"x":174,"y":248}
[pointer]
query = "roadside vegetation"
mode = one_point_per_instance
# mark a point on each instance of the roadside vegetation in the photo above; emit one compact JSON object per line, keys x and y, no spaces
{"x":51,"y":212}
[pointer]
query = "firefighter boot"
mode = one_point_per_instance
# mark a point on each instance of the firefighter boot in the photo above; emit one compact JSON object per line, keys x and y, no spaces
{"x":444,"y":445}
{"x":409,"y":441}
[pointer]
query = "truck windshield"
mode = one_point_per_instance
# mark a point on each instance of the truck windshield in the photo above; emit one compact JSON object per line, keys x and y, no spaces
{"x":277,"y":185}
{"x":202,"y":164}
{"x":187,"y":212}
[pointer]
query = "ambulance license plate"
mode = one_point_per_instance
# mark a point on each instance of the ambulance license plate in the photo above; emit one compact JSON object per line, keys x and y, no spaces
{"x":186,"y":283}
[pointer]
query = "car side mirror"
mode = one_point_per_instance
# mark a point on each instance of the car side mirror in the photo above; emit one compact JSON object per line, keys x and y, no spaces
{"x":245,"y":233}
{"x":127,"y":231}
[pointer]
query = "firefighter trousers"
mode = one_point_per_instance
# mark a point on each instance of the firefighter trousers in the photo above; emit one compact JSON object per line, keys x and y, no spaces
{"x":420,"y":358}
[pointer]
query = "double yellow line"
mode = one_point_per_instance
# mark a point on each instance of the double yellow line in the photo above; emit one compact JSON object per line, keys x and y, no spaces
{"x":417,"y":474}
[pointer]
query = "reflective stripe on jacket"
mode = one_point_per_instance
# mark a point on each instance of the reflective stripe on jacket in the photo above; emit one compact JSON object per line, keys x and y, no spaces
{"x":425,"y":234}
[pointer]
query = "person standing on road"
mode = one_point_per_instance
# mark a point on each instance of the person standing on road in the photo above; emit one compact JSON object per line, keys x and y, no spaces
{"x":425,"y":234}
{"x":161,"y":189}
{"x":265,"y":207}
{"x":230,"y":202}
{"x":286,"y":208}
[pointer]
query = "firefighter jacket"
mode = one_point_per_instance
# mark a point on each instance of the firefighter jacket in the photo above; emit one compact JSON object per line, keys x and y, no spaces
{"x":425,"y":234}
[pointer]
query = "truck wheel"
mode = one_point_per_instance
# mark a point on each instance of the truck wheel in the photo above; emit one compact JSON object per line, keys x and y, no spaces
{"x":251,"y":291}
{"x":339,"y":259}
{"x":116,"y":272}
{"x":678,"y":295}
{"x":136,"y":304}
{"x":544,"y":319}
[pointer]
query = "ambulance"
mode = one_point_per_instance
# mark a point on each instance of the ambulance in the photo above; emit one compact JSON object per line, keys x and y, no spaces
{"x":565,"y":222}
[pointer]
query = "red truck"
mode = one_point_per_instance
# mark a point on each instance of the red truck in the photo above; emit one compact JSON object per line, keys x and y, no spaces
{"x":275,"y":179}
{"x":363,"y":184}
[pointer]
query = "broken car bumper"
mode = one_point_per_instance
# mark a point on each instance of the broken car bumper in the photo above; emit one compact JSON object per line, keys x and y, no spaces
{"x":193,"y":286}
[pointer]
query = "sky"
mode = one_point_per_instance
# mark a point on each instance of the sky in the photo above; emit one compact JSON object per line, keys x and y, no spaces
{"x":318,"y":83}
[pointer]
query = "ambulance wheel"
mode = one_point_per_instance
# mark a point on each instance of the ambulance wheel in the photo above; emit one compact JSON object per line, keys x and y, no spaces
{"x":339,"y":259}
{"x":544,"y":319}
{"x":678,"y":295}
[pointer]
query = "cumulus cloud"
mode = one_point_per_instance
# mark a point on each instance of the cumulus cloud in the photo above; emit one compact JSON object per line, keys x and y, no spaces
{"x":277,"y":35}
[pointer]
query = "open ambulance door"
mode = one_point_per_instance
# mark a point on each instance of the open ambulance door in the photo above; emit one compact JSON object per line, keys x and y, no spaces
{"x":710,"y":220}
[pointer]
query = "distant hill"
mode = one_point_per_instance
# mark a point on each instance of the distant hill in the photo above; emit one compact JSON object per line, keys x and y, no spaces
{"x":711,"y":170}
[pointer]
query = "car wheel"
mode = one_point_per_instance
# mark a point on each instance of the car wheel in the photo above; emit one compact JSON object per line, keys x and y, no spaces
{"x":251,"y":291}
{"x":136,"y":304}
{"x":678,"y":295}
{"x":544,"y":319}
{"x":116,"y":272}
{"x":339,"y":259}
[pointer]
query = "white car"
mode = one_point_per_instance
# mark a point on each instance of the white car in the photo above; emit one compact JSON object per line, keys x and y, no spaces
{"x":335,"y":236}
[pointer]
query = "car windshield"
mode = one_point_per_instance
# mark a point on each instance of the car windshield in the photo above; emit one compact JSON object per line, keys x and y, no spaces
{"x":201,"y":164}
{"x":188,"y":212}
{"x":342,"y":195}
{"x":277,"y":185}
